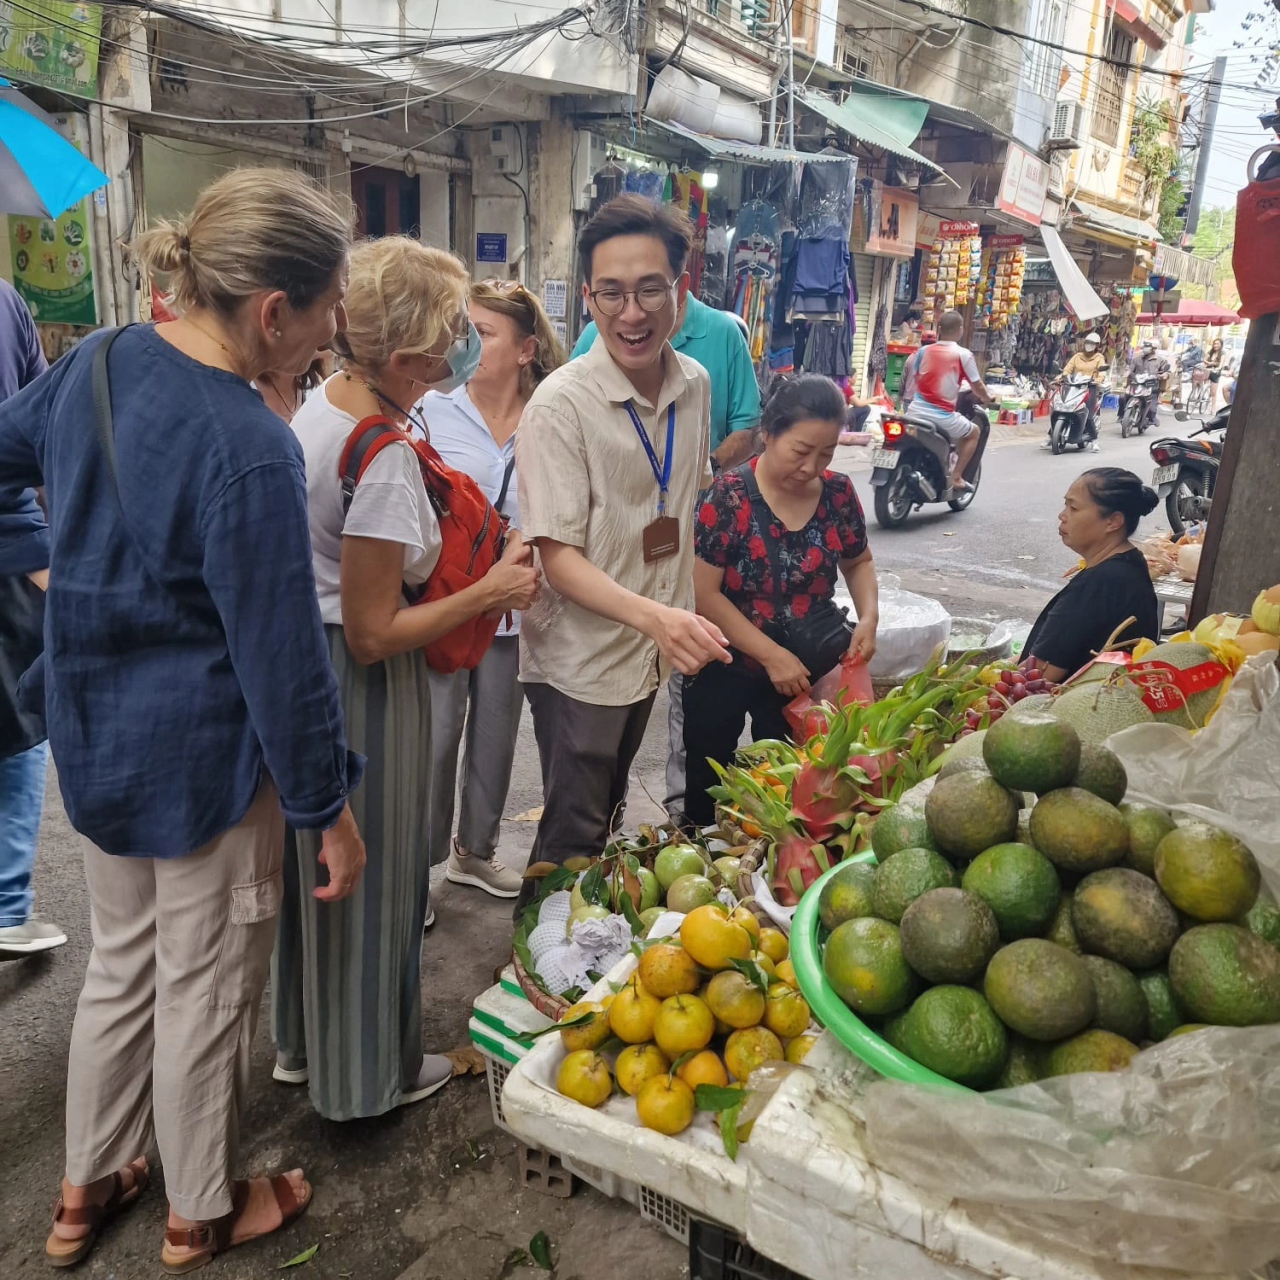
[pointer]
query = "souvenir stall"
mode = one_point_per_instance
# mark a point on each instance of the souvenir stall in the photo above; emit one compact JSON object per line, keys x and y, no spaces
{"x":999,"y":297}
{"x":1048,"y":332}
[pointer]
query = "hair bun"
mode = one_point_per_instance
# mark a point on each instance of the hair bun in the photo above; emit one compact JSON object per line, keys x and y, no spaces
{"x":1150,"y":500}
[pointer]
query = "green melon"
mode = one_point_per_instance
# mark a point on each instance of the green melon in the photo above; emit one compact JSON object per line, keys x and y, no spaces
{"x":1194,"y":711}
{"x":1097,"y":711}
{"x":966,"y":748}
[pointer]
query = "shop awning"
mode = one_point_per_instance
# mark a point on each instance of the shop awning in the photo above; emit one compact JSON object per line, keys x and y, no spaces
{"x":1184,"y":267}
{"x":1129,"y":12}
{"x":1079,"y":293}
{"x":744,"y":151}
{"x":880,"y":119}
{"x":1127,"y":232}
{"x":1193,"y":312}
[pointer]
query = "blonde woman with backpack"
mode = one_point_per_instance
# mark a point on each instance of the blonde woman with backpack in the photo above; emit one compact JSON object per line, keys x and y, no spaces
{"x":347,"y":992}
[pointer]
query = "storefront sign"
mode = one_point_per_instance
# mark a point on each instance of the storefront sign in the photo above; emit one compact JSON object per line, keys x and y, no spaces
{"x":1024,"y":186}
{"x":927,"y":225}
{"x":491,"y":246}
{"x":892,"y":230}
{"x":948,"y":229}
{"x":51,"y":266}
{"x":1003,"y":242}
{"x":555,"y":298}
{"x":52,"y":43}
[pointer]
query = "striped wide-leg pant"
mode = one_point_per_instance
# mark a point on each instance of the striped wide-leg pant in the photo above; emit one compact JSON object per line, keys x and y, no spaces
{"x":346,"y":976}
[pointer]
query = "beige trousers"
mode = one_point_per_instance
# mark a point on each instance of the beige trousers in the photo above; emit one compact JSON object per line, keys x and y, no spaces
{"x":160,"y":1047}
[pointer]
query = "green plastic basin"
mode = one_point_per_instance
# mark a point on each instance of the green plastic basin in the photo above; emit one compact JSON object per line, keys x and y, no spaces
{"x":831,"y":1011}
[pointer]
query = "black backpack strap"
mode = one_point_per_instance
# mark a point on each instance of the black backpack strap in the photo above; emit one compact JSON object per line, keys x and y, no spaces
{"x":506,"y":484}
{"x":359,"y":452}
{"x":764,"y":517}
{"x":101,"y":390}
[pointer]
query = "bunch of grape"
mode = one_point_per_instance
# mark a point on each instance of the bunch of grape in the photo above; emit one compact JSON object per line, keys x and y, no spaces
{"x":1011,"y":687}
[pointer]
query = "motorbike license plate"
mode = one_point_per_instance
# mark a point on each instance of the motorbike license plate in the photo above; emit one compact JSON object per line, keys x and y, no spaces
{"x":1164,"y":475}
{"x":887,"y":458}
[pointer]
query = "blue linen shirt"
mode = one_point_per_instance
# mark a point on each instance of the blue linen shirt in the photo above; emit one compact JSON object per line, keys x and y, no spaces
{"x":183,"y":645}
{"x":24,"y":539}
{"x":463,"y":439}
{"x":714,"y":340}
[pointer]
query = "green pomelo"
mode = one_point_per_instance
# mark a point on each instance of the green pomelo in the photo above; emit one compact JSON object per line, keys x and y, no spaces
{"x":1061,"y":929}
{"x":689,"y":892}
{"x":1121,"y":914}
{"x":1041,"y":990}
{"x":1207,"y":873}
{"x":1035,"y":753}
{"x":1102,"y":773}
{"x":864,"y":963}
{"x":899,"y":827}
{"x":970,"y":812}
{"x":1020,"y":886}
{"x":1163,"y":1011}
{"x":1147,"y":827}
{"x":847,"y":895}
{"x":953,"y":1031}
{"x":1026,"y":1063}
{"x":948,"y":935}
{"x":1122,"y":1008}
{"x":1225,"y":975}
{"x":1092,"y":1050}
{"x":1078,"y":831}
{"x":1263,"y":918}
{"x":900,"y":881}
{"x":677,"y":860}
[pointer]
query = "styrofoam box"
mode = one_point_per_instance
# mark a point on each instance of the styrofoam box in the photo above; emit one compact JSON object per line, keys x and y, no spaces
{"x":686,"y":1174}
{"x":818,"y":1206}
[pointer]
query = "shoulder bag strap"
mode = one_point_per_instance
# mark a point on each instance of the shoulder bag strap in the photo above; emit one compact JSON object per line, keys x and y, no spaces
{"x":370,"y":436}
{"x":101,"y":389}
{"x":764,"y":517}
{"x":506,"y":484}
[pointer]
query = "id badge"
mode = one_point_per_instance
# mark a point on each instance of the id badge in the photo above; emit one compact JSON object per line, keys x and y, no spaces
{"x":661,"y":539}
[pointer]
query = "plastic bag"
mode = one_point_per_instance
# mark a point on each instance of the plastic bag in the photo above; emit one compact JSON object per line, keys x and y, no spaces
{"x":911,"y":628}
{"x":1174,"y":1163}
{"x":847,"y":682}
{"x":1257,"y":269}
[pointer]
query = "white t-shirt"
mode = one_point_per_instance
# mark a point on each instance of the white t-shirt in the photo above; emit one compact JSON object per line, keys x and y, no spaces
{"x":940,"y":371}
{"x":389,"y":503}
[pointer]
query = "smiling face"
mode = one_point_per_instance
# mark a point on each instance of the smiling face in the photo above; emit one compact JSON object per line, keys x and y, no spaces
{"x":1081,"y":522}
{"x":502,"y":346}
{"x":801,"y":453}
{"x":631,"y":265}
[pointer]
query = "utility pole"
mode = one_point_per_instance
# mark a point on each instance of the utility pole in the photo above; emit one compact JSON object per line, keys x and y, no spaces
{"x":1241,"y":555}
{"x":1212,"y":99}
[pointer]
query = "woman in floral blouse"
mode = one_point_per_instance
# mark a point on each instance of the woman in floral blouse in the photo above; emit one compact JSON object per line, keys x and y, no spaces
{"x":803,"y":524}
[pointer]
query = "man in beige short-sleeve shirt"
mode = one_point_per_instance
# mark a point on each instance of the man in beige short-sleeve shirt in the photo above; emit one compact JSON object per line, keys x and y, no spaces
{"x":616,"y":612}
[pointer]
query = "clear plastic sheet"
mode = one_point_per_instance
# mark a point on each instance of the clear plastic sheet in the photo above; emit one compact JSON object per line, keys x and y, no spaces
{"x":1173,"y":1164}
{"x":911,"y":627}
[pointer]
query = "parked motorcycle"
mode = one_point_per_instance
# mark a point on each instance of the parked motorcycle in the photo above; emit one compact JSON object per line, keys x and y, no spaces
{"x":1069,"y":413}
{"x":1187,"y":470}
{"x":1136,"y":414}
{"x":913,"y":466}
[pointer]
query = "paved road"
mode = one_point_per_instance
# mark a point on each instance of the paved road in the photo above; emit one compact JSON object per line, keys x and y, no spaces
{"x":437,"y":1182}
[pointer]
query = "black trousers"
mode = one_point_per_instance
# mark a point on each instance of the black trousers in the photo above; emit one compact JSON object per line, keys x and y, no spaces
{"x":586,"y":753}
{"x":717,"y":703}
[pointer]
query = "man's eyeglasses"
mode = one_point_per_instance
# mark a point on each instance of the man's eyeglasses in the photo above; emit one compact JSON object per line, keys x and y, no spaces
{"x":650,"y":297}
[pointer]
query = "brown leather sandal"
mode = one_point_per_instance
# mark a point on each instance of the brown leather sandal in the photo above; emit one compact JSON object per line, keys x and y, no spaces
{"x":60,"y":1252}
{"x":209,"y":1239}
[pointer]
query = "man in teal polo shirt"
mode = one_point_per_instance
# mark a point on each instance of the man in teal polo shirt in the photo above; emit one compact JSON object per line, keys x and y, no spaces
{"x":716,"y":340}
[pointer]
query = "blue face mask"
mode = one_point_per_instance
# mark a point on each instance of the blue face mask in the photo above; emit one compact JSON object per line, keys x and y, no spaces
{"x":463,"y":357}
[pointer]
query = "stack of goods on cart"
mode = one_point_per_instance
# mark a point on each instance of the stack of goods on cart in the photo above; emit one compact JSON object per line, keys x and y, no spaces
{"x":1258,"y":633}
{"x":1000,"y":287}
{"x":953,"y":265}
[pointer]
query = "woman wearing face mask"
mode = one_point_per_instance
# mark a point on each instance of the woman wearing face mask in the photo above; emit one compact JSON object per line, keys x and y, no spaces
{"x":474,"y":430}
{"x":348,"y":1000}
{"x":781,"y":515}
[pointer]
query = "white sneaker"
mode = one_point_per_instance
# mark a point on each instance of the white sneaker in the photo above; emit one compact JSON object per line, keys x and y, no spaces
{"x":290,"y":1070}
{"x":1095,"y":447}
{"x":436,"y":1072}
{"x":431,"y":918}
{"x":32,"y":935}
{"x":490,"y":874}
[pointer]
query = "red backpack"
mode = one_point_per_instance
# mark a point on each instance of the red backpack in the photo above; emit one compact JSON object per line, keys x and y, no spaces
{"x":472,"y":535}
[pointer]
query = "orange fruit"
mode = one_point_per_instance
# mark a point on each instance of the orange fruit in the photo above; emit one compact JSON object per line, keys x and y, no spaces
{"x":774,"y":944}
{"x":703,"y":1068}
{"x":748,"y":921}
{"x":668,"y":970}
{"x":632,"y":1013}
{"x":799,"y":1047}
{"x":786,"y":973}
{"x":735,"y":999}
{"x":786,"y":1011}
{"x":745,"y":1050}
{"x":712,"y":938}
{"x":587,"y":1035}
{"x":764,"y":963}
{"x":584,"y":1077}
{"x":665,"y":1103}
{"x":683,"y":1023}
{"x":638,"y":1063}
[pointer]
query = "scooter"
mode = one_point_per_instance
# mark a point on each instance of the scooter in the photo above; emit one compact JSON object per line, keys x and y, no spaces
{"x":1069,"y":413}
{"x":1136,"y":414}
{"x":913,"y":466}
{"x":1187,"y":471}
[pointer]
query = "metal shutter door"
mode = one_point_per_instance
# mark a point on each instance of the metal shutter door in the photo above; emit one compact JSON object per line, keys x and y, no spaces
{"x":864,"y":265}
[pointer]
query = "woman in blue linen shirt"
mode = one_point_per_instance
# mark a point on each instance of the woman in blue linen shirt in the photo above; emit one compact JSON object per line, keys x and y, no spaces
{"x":189,"y":697}
{"x":474,"y":429}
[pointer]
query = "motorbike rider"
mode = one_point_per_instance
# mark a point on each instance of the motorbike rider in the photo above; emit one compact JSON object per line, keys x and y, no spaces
{"x":940,"y":370}
{"x":1148,"y":360}
{"x":909,"y":368}
{"x":1090,"y":362}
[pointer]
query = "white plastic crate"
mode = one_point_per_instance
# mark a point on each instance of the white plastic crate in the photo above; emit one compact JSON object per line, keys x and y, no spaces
{"x":608,"y":1184}
{"x":666,"y":1213}
{"x":500,"y":1055}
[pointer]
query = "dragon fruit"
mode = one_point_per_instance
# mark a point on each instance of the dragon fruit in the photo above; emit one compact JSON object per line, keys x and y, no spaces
{"x":797,"y":863}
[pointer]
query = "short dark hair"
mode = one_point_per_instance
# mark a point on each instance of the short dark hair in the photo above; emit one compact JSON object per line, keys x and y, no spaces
{"x":951,"y":324}
{"x":1115,"y":489}
{"x":808,"y":395}
{"x":634,"y":215}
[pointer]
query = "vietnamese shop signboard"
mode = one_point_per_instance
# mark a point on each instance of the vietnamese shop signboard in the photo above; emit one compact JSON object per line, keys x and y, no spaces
{"x":892,"y":227}
{"x":52,"y":43}
{"x":51,"y":266}
{"x":1024,"y":185}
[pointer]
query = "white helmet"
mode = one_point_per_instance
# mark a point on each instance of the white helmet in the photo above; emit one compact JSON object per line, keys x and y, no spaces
{"x":1092,"y":340}
{"x":1148,"y":344}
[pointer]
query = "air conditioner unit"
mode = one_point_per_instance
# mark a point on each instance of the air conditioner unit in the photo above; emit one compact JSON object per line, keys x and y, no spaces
{"x":1067,"y":131}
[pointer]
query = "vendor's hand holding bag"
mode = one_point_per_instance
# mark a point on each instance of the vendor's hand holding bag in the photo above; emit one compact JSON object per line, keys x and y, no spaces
{"x":472,"y":535}
{"x":820,"y":638}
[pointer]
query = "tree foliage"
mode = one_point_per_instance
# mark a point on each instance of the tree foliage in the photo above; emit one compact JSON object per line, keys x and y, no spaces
{"x":1153,"y":148}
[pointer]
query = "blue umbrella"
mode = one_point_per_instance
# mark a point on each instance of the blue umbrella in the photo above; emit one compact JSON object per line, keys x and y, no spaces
{"x":41,"y":173}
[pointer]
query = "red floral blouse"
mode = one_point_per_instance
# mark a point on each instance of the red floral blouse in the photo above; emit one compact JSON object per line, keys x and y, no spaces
{"x":728,"y":535}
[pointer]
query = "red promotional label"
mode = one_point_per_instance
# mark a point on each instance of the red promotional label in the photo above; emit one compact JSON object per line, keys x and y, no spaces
{"x":1167,"y":688}
{"x":1005,"y":242}
{"x":958,"y":228}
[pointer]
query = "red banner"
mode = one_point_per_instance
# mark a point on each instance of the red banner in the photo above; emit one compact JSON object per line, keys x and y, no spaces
{"x":958,"y":228}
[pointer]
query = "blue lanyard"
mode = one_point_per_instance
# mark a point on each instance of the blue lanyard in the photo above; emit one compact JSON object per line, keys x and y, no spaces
{"x":661,"y":474}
